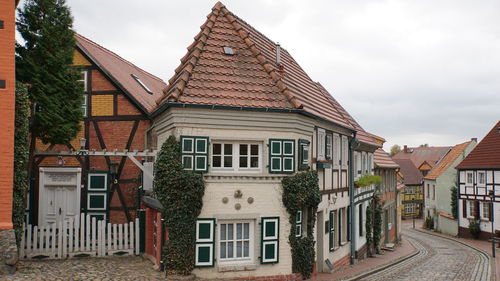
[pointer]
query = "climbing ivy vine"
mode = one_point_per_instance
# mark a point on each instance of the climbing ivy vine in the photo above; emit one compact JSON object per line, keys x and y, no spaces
{"x":301,"y":193}
{"x":181,"y":193}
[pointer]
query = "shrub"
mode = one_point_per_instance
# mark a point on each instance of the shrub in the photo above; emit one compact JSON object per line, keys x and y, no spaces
{"x":366,"y":180}
{"x":429,"y":222}
{"x":181,"y":193}
{"x":474,"y":228}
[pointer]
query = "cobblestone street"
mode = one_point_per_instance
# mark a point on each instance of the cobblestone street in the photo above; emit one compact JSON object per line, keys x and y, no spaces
{"x":439,"y":259}
{"x":114,"y":268}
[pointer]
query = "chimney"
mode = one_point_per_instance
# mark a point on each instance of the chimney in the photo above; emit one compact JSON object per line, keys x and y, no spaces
{"x":405,"y":149}
{"x":474,"y":139}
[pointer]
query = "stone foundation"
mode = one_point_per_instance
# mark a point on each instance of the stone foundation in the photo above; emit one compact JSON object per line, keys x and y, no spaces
{"x":8,"y":251}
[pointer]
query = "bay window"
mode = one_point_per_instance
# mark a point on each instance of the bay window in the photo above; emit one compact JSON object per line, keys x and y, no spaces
{"x":228,"y":156}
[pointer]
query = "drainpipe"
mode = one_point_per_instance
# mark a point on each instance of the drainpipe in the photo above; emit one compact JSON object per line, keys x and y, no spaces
{"x":354,"y":144}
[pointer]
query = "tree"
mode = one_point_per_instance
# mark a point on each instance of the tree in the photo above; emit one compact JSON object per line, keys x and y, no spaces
{"x":395,"y":149}
{"x":44,"y":62}
{"x":20,"y":157}
{"x":454,"y":201}
{"x":424,"y":145}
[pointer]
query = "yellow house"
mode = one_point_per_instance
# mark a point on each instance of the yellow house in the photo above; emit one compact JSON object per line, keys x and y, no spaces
{"x":412,"y":195}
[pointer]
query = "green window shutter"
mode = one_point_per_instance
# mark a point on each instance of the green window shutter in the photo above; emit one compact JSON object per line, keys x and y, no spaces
{"x":348,"y":219}
{"x":269,"y":240}
{"x":298,"y":224}
{"x":205,"y":243}
{"x":97,"y":195}
{"x":195,"y":153}
{"x":331,"y":232}
{"x":303,"y":154}
{"x":281,"y":156}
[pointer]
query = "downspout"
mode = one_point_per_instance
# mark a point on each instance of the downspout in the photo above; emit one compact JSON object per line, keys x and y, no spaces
{"x":354,"y":143}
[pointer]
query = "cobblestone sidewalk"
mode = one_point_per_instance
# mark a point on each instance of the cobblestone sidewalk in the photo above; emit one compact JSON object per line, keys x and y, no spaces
{"x":110,"y":268}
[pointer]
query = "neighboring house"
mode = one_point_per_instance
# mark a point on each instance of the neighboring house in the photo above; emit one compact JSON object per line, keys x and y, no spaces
{"x":100,"y":181}
{"x":437,"y":188}
{"x":423,"y":159}
{"x":479,"y":181}
{"x":412,"y":194}
{"x":247,"y":115}
{"x":387,"y":169}
{"x":7,"y":111}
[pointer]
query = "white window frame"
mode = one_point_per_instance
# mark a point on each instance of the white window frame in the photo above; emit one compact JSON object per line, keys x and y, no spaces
{"x":485,"y":215}
{"x":329,"y":146}
{"x":483,"y":182}
{"x":336,"y":151}
{"x":85,"y":105}
{"x":234,"y":259}
{"x":222,"y":155}
{"x":467,"y":182}
{"x":236,"y":157}
{"x":84,"y":80}
{"x":471,"y":209}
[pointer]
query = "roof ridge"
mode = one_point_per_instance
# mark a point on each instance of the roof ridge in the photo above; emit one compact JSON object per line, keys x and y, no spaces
{"x":269,"y":68}
{"x":117,"y":56}
{"x":178,"y":82}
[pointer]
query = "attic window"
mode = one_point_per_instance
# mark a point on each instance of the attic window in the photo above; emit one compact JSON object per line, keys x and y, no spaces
{"x":228,"y":51}
{"x":142,"y":84}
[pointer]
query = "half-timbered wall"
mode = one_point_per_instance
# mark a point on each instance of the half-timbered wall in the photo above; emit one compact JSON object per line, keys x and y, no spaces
{"x":112,"y":122}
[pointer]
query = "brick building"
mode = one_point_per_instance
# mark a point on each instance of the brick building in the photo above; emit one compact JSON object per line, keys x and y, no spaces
{"x":119,"y":98}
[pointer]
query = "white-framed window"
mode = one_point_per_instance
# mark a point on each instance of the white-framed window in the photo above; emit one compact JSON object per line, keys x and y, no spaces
{"x":229,"y":156}
{"x":329,"y":144}
{"x":470,"y":178}
{"x":336,"y":151}
{"x":345,"y":152}
{"x":481,"y":178}
{"x":298,"y":224}
{"x":321,"y":144}
{"x":83,"y":79}
{"x":471,"y":208}
{"x":358,"y":164}
{"x":485,"y":210}
{"x":236,"y":241}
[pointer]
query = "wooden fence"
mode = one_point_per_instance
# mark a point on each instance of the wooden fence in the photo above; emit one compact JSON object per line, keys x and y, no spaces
{"x":83,"y":237}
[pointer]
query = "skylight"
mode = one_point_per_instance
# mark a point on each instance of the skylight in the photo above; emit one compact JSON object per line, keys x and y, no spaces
{"x":228,"y":51}
{"x":142,"y":84}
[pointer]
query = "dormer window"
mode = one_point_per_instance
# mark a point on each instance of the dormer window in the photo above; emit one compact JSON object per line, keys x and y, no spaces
{"x":228,"y":51}
{"x":142,"y":84}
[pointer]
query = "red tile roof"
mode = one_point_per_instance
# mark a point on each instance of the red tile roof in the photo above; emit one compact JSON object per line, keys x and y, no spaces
{"x":121,"y":70}
{"x":412,"y":176}
{"x":447,"y":160}
{"x":487,"y":153}
{"x":419,"y":155}
{"x":383,"y":160}
{"x":250,"y":78}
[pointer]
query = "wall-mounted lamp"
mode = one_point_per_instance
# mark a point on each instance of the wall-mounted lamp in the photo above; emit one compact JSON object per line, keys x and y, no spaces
{"x":60,"y":161}
{"x":113,"y":170}
{"x":83,"y":141}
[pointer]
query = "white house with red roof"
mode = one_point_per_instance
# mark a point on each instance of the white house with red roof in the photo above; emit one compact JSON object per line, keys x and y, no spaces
{"x":479,"y":186}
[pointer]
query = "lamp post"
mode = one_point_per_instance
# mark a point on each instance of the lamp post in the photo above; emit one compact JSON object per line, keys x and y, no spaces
{"x":83,"y":150}
{"x":113,"y":170}
{"x":491,"y":194}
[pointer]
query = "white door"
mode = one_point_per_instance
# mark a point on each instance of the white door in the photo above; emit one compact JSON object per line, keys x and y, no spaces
{"x":59,"y":195}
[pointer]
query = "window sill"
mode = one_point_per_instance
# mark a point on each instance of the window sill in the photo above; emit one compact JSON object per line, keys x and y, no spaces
{"x":237,"y":267}
{"x":343,"y":243}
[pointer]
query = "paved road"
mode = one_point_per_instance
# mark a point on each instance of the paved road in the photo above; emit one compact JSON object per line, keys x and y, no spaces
{"x":439,"y":259}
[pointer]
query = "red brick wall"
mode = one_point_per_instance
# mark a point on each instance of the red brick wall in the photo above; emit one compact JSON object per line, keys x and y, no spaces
{"x":342,"y":262}
{"x":101,"y":83}
{"x":125,"y":107}
{"x":7,"y":73}
{"x":362,"y":253}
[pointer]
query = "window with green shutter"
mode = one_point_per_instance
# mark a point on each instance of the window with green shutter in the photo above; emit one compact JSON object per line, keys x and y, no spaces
{"x":205,"y":237}
{"x":331,"y":232}
{"x":298,"y":224}
{"x":270,"y":240}
{"x":195,"y":153}
{"x":281,"y":156}
{"x":303,"y":155}
{"x":97,"y":194}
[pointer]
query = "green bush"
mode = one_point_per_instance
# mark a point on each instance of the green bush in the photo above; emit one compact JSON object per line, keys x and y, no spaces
{"x":181,"y":193}
{"x":300,"y":193}
{"x":474,"y":228}
{"x":429,"y":222}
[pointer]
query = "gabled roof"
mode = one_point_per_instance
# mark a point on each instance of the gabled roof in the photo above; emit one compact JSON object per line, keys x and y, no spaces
{"x":383,"y":160}
{"x":447,"y":160}
{"x":419,"y":155}
{"x":411,"y":175}
{"x":120,"y":71}
{"x":487,"y":153}
{"x":251,"y":78}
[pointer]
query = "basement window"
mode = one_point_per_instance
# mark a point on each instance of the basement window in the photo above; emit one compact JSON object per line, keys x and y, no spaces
{"x":1,"y":24}
{"x":228,"y":51}
{"x":142,"y":84}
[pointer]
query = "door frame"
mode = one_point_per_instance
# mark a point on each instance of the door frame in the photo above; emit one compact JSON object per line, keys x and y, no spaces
{"x":42,"y":200}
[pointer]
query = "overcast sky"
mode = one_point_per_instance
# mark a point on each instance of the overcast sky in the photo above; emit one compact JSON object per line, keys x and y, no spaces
{"x":412,"y":71}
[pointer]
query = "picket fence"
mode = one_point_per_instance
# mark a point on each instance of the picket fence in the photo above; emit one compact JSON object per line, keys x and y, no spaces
{"x":83,"y":237}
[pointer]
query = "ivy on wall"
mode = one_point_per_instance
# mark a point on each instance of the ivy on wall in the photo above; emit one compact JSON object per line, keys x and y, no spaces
{"x":454,"y":201}
{"x":181,"y":193}
{"x":21,"y":145}
{"x":373,"y":225}
{"x":301,"y":193}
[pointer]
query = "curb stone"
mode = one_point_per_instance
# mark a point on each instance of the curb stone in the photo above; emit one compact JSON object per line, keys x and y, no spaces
{"x":490,"y":258}
{"x":384,"y":266}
